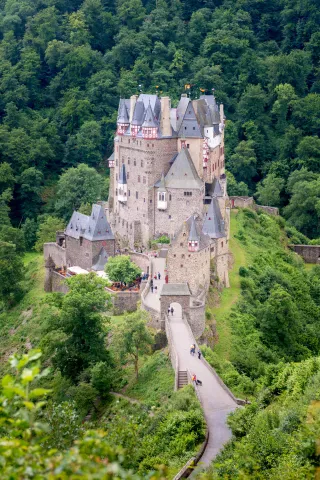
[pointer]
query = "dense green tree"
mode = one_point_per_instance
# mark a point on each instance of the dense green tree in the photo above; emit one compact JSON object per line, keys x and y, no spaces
{"x":268,"y":191}
{"x":308,"y":152}
{"x":243,"y":162}
{"x":11,"y":274}
{"x":76,"y":186}
{"x":46,"y":232}
{"x":80,"y":318}
{"x":134,"y":340}
{"x":122,"y":269}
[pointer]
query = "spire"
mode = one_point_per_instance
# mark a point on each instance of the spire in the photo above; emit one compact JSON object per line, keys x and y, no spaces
{"x":213,"y":224}
{"x":123,"y":176}
{"x":193,"y":235}
{"x":149,"y":119}
{"x":123,"y":116}
{"x":162,"y":184}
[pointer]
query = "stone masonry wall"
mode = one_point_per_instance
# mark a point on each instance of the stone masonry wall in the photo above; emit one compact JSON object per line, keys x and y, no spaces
{"x":269,"y":210}
{"x":241,"y":202}
{"x":57,"y":253}
{"x":142,"y":260}
{"x":166,"y":300}
{"x":82,"y":255}
{"x":197,"y":319}
{"x":124,"y":301}
{"x":58,"y":283}
{"x":309,"y":253}
{"x":179,"y":209}
{"x":145,"y":161}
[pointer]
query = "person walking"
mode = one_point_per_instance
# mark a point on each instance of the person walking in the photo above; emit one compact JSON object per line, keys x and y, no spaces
{"x":159,"y":276}
{"x":191,"y":349}
{"x":151,"y":288}
{"x":199,"y":354}
{"x":155,"y":276}
{"x":155,"y":289}
{"x":194,"y":379}
{"x":171,"y":310}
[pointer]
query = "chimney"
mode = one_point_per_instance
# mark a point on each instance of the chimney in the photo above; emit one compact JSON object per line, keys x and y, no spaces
{"x":133,"y":101}
{"x":221,"y":113}
{"x":165,"y":124}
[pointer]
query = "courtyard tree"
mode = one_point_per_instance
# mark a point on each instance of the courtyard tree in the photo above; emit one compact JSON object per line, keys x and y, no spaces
{"x":134,"y":339}
{"x":121,"y":269}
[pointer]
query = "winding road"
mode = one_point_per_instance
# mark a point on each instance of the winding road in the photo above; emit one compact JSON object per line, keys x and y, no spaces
{"x":215,"y":400}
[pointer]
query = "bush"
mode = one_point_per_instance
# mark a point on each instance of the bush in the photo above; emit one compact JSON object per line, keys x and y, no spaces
{"x":101,"y":378}
{"x":163,"y":239}
{"x":243,"y":272}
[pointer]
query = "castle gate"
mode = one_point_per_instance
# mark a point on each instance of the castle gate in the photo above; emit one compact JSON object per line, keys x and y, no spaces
{"x":175,"y":293}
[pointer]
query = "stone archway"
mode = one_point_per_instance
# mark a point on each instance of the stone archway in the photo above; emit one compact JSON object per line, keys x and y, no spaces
{"x":175,"y":293}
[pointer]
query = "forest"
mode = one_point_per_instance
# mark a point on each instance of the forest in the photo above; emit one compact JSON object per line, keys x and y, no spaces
{"x":64,"y":64}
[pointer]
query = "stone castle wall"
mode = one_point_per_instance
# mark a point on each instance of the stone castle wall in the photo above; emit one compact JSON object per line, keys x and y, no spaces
{"x":241,"y":202}
{"x":309,"y":253}
{"x":196,"y":319}
{"x":126,"y":301}
{"x":179,"y":209}
{"x":57,"y":253}
{"x":81,"y":254}
{"x":268,"y":210}
{"x":58,"y":283}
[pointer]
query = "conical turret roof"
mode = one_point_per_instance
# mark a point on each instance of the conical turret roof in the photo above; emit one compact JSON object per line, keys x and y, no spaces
{"x":149,"y":119}
{"x":193,"y":234}
{"x":162,"y":184}
{"x":123,"y":176}
{"x":123,"y":116}
{"x":213,"y":224}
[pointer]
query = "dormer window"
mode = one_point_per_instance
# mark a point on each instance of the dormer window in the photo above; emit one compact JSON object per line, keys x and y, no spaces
{"x":122,"y":128}
{"x":193,"y":246}
{"x":149,"y":132}
{"x":134,"y":130}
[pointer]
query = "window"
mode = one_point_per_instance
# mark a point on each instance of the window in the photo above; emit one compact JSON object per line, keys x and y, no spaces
{"x":174,"y":255}
{"x":187,"y":194}
{"x":128,"y":161}
{"x":193,"y":128}
{"x":129,"y":140}
{"x":188,"y":145}
{"x":134,"y":163}
{"x":128,"y":175}
{"x":221,"y":244}
{"x":144,"y":180}
{"x":181,"y":266}
{"x":161,"y":196}
{"x":138,"y":178}
{"x":129,"y":193}
{"x":116,"y":191}
{"x":144,"y":200}
{"x":116,"y":176}
{"x":170,"y":197}
{"x":117,"y":162}
{"x":181,"y":244}
{"x":81,"y":240}
{"x":122,"y":159}
{"x":169,"y":217}
{"x":182,"y":256}
{"x":185,"y":128}
{"x":137,"y":195}
{"x":150,"y":201}
{"x":141,"y":163}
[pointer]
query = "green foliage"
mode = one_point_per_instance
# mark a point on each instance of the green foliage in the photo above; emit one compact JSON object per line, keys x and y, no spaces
{"x":75,"y":187}
{"x":121,"y":269}
{"x":134,"y":338}
{"x":23,"y":446}
{"x":163,"y":239}
{"x":11,"y":274}
{"x":47,"y":231}
{"x":268,"y":191}
{"x":79,"y":317}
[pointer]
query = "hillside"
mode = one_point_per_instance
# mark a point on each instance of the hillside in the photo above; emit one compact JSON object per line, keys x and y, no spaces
{"x":266,"y":349}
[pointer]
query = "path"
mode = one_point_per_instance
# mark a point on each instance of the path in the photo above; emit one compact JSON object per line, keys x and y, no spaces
{"x":216,"y":402}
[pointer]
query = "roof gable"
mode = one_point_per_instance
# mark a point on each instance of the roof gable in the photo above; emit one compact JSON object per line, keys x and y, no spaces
{"x":93,"y":227}
{"x":213,"y":224}
{"x":183,"y":173}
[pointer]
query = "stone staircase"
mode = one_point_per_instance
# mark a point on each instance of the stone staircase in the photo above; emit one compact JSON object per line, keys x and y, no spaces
{"x":182,"y":378}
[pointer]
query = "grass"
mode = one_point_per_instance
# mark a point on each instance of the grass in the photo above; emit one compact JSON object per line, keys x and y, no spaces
{"x":229,"y":296}
{"x":20,"y":327}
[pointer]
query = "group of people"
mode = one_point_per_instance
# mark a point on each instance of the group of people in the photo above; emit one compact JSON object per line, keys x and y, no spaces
{"x":170,"y":310}
{"x":154,"y":288}
{"x":194,"y":378}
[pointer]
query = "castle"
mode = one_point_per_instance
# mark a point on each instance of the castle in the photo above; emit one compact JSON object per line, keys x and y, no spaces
{"x":167,"y":177}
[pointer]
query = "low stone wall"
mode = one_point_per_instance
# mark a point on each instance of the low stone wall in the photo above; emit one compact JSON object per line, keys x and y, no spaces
{"x":58,"y":283}
{"x":309,"y":253}
{"x":173,"y":354}
{"x":142,"y":260}
{"x":197,"y":319}
{"x":241,"y":202}
{"x":57,"y":253}
{"x":269,"y":210}
{"x":126,"y":301}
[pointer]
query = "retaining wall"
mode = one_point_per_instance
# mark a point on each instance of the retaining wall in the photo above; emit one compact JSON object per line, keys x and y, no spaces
{"x":126,"y":301}
{"x":270,"y":210}
{"x":241,"y":202}
{"x":197,"y":319}
{"x":309,"y":253}
{"x":58,"y":282}
{"x":57,"y":253}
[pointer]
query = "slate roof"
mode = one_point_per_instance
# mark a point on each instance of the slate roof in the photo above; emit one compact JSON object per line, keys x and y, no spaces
{"x":123,"y":116}
{"x":123,"y":177}
{"x":153,"y":100}
{"x":111,"y":156}
{"x":100,"y":260}
{"x":181,"y":110}
{"x":175,"y":289}
{"x":213,"y":224}
{"x":138,"y":113}
{"x":94,"y":227}
{"x":162,"y":184}
{"x":193,"y":234}
{"x":149,"y":119}
{"x":183,"y":173}
{"x":214,"y":188}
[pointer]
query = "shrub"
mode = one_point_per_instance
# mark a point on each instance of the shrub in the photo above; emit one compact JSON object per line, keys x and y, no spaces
{"x":163,"y":239}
